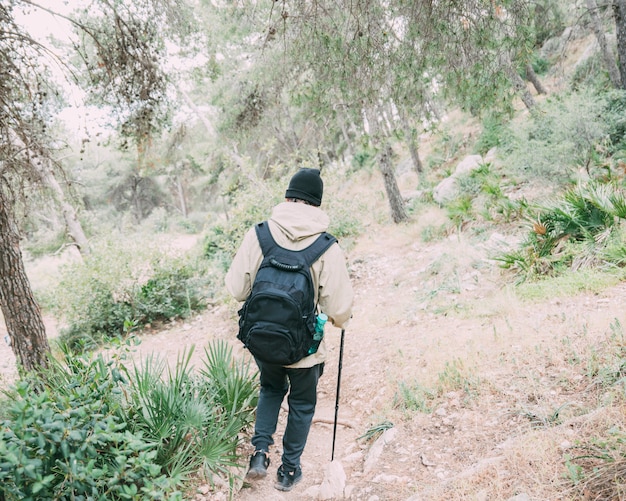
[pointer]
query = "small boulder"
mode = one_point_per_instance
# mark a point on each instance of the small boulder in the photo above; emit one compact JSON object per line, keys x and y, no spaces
{"x":334,"y":482}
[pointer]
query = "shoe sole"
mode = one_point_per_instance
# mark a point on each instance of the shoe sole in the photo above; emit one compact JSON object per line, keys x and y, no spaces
{"x":284,"y":488}
{"x":256,"y":474}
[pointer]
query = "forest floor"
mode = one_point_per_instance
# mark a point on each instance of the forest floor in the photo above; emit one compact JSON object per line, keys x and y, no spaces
{"x":485,"y":393}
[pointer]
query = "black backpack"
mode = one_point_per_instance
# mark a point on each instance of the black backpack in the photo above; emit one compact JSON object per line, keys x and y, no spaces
{"x":277,"y":321}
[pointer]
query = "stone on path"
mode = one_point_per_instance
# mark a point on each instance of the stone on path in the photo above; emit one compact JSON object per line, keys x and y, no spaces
{"x":334,"y":482}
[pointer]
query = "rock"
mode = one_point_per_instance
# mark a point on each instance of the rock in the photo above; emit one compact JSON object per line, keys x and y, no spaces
{"x":371,"y":461}
{"x":491,"y":155}
{"x":353,"y":458}
{"x":312,"y":492}
{"x":445,"y":190}
{"x":468,"y":164}
{"x":334,"y":482}
{"x":348,"y":491}
{"x":441,"y":411}
{"x":426,"y":461}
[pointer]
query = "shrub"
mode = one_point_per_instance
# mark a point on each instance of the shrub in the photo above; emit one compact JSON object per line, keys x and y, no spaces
{"x":195,"y":420}
{"x":117,"y":288}
{"x":578,"y":230}
{"x":495,"y":133}
{"x":173,"y":291}
{"x":254,"y":204}
{"x":563,"y":136}
{"x":614,"y":114}
{"x":63,"y":438}
{"x":480,"y":194}
{"x":591,"y":72}
{"x":93,"y":429}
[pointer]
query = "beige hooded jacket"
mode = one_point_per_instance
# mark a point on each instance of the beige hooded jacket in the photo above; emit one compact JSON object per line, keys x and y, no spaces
{"x":296,"y":226}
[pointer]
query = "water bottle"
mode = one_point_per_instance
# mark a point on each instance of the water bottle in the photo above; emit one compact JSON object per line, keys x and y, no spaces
{"x":319,"y":332}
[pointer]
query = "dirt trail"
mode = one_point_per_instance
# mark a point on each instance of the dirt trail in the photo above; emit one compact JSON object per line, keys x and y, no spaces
{"x":427,"y":315}
{"x":476,"y":331}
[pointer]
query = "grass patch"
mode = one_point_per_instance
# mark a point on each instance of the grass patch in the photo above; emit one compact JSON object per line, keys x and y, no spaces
{"x":570,"y":283}
{"x":412,"y":396}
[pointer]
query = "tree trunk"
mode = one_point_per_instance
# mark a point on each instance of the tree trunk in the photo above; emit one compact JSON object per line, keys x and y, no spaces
{"x":207,"y":125}
{"x":72,"y":223}
{"x":398,"y":214}
{"x":21,"y":312}
{"x":532,"y":77}
{"x":182,"y":199}
{"x":607,"y":57}
{"x":371,"y":124}
{"x":411,"y":144}
{"x":346,"y":137}
{"x":518,"y":82}
{"x":619,"y":13}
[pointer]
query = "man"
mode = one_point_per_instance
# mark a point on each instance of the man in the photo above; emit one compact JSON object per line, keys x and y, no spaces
{"x":294,"y":224}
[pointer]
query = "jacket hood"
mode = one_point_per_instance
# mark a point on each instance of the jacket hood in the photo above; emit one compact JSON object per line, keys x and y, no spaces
{"x":299,"y":221}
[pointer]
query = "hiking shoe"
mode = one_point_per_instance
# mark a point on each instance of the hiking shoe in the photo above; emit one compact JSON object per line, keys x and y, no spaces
{"x":259,"y":462}
{"x":285,"y":480}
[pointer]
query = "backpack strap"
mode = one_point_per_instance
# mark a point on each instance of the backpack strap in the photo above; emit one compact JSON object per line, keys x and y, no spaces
{"x":266,"y":240}
{"x":310,"y":254}
{"x":314,"y":251}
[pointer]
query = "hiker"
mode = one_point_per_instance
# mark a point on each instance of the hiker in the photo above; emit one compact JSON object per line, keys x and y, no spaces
{"x":295,"y":224}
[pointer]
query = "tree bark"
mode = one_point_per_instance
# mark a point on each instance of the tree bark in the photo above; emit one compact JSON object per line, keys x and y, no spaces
{"x":619,"y":14}
{"x":207,"y":125}
{"x":396,"y":204}
{"x":182,"y":199}
{"x":532,"y":77}
{"x":607,"y":57}
{"x":519,"y":84}
{"x":411,"y":144}
{"x":398,"y":213}
{"x":21,"y":312}
{"x":74,"y":228}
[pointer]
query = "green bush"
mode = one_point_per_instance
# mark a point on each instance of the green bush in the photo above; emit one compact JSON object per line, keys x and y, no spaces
{"x":540,"y":65}
{"x":580,"y":229}
{"x":495,"y":133}
{"x":117,"y":288}
{"x":563,"y":136}
{"x":173,"y":291}
{"x":592,"y":73}
{"x":64,"y":439}
{"x":253,"y":204}
{"x":614,"y":114}
{"x":480,"y":194}
{"x":93,"y":429}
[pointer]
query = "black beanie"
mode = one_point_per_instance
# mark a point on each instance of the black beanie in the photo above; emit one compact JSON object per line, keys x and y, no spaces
{"x":307,"y":185}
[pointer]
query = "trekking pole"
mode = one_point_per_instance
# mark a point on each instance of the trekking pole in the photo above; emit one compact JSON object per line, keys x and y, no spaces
{"x":332,"y":457}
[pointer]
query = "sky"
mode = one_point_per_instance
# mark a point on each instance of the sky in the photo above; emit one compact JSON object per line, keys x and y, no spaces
{"x":79,"y":119}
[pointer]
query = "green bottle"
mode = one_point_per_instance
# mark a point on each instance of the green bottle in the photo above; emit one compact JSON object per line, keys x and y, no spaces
{"x":321,"y":319}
